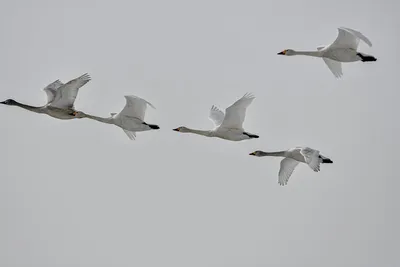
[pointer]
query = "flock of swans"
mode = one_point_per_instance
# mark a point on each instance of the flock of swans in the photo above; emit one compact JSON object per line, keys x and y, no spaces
{"x":228,"y":124}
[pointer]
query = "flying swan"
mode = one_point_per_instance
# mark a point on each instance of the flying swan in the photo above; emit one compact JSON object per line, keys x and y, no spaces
{"x":228,"y":126}
{"x":292,"y":157}
{"x":60,"y":99}
{"x":130,"y":119}
{"x":343,"y":49}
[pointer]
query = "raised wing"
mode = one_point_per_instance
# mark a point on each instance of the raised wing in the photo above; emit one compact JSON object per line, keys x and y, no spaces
{"x":348,"y":38}
{"x":334,"y":66}
{"x":216,"y":116}
{"x":287,"y":167}
{"x":235,"y":114}
{"x":135,"y":107}
{"x":311,"y":156}
{"x":66,"y":94}
{"x":51,"y":90}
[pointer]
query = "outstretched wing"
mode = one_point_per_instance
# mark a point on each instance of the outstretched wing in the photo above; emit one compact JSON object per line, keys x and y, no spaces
{"x":66,"y":94}
{"x":51,"y":90}
{"x":135,"y":107}
{"x":235,"y":114}
{"x":216,"y":116}
{"x":334,"y":66}
{"x":349,"y":38}
{"x":311,"y":157}
{"x":287,"y":167}
{"x":130,"y":134}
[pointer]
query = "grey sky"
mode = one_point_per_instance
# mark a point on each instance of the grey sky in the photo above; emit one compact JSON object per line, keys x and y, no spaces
{"x":80,"y":193}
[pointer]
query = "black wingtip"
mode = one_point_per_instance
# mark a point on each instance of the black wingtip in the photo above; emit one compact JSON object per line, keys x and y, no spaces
{"x":327,"y":161}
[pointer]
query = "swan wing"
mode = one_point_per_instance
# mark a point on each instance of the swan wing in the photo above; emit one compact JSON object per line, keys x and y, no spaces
{"x":349,"y":38}
{"x":135,"y":107}
{"x":287,"y":167}
{"x":51,"y":90}
{"x":130,"y":134}
{"x":216,"y":116}
{"x":334,"y":66}
{"x":311,"y":157}
{"x":66,"y":93}
{"x":359,"y":35}
{"x":235,"y":114}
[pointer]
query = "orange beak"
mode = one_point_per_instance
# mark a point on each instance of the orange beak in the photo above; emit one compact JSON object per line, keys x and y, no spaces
{"x":282,"y":53}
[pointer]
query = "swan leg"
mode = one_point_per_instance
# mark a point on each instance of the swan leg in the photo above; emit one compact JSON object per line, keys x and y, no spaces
{"x":366,"y":58}
{"x":251,"y":135}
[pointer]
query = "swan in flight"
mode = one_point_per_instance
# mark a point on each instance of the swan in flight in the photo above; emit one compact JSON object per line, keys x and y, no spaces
{"x":60,"y":99}
{"x":292,"y":157}
{"x":228,"y":126}
{"x":343,"y":49}
{"x":130,"y":119}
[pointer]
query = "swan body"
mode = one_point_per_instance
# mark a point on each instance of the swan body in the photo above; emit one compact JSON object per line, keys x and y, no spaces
{"x":292,"y":157}
{"x":60,"y":99}
{"x":228,"y":125}
{"x":131,"y":117}
{"x":343,"y":49}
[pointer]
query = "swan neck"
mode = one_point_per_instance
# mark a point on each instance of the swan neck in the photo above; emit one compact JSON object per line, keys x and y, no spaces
{"x":308,"y":53}
{"x":100,"y":119}
{"x":200,"y":132}
{"x":273,"y":154}
{"x":30,"y":108}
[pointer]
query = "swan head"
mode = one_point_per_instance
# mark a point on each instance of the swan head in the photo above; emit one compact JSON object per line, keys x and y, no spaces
{"x":287,"y":52}
{"x":181,"y":129}
{"x":9,"y":102}
{"x":257,"y":153}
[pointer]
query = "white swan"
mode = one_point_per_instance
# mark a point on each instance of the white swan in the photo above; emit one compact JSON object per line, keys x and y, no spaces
{"x":343,"y":49}
{"x":60,"y":99}
{"x":130,"y":119}
{"x":292,"y":157}
{"x":228,"y":126}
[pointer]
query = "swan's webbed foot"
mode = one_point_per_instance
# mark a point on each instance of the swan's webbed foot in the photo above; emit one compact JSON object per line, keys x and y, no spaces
{"x":366,"y":58}
{"x":152,"y":126}
{"x":251,"y":135}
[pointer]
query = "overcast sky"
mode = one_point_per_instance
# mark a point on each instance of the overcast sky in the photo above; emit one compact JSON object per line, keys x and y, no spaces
{"x":80,"y":193}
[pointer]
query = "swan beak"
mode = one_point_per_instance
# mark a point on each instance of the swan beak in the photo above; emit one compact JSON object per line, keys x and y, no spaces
{"x":176,"y":130}
{"x":252,"y":154}
{"x":282,"y":53}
